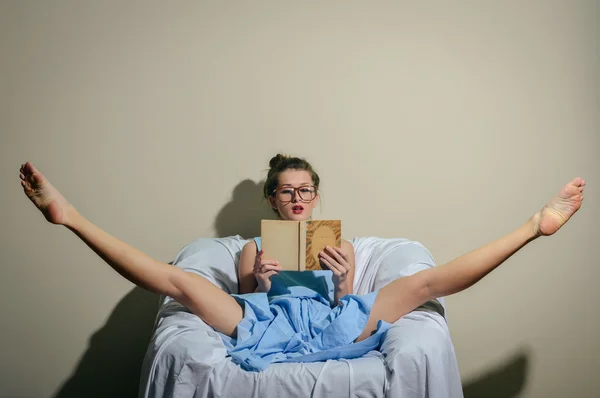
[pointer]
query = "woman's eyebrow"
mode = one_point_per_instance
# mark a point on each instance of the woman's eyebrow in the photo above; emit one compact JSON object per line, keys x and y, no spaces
{"x":289,"y":185}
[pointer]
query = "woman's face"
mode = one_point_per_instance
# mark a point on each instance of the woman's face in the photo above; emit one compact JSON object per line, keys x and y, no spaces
{"x":292,"y":204}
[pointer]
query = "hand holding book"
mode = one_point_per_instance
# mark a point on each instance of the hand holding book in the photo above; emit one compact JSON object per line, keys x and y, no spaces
{"x":263,"y":270}
{"x":338,"y":262}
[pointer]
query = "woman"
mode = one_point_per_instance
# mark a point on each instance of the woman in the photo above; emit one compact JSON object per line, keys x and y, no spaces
{"x":284,"y":321}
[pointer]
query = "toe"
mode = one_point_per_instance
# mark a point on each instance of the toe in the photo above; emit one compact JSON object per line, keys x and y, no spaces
{"x":30,"y":168}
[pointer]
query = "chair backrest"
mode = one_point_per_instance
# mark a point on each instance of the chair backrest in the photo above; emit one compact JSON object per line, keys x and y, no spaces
{"x":381,"y":260}
{"x":378,"y":260}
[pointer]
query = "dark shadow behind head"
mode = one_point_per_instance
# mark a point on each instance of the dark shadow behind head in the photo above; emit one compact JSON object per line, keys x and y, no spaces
{"x":242,"y":215}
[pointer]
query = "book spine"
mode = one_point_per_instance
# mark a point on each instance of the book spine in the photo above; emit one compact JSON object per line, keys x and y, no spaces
{"x":302,"y":246}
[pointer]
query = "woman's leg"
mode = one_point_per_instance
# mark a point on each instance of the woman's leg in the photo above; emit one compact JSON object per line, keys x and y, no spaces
{"x":211,"y":304}
{"x":405,"y":294}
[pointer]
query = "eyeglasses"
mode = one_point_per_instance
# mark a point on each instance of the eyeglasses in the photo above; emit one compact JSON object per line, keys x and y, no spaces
{"x":286,"y":194}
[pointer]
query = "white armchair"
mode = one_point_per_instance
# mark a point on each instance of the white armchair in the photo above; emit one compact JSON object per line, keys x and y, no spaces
{"x":186,"y":358}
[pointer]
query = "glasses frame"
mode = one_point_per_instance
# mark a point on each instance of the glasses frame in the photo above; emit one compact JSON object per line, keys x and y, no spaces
{"x":275,"y":192}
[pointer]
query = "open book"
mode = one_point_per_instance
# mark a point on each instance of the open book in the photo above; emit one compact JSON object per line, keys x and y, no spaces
{"x":297,"y":244}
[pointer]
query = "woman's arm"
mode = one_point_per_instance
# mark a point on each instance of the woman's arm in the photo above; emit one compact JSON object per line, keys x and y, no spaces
{"x":347,"y":286}
{"x":254,"y":272}
{"x":246,"y":279}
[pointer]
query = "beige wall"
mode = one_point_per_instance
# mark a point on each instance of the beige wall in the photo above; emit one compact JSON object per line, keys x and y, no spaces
{"x":447,"y":124}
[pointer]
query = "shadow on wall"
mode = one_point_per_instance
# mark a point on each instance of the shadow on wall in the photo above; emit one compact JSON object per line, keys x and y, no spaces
{"x":507,"y":380}
{"x":112,"y":364}
{"x":242,"y":215}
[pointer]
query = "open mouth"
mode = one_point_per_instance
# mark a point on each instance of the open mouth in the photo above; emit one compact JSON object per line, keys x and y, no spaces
{"x":297,"y":209}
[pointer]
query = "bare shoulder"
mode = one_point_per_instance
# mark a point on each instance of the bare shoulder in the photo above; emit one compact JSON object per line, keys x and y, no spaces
{"x":247,"y":257}
{"x":250,"y":246}
{"x":248,"y":251}
{"x":347,"y":246}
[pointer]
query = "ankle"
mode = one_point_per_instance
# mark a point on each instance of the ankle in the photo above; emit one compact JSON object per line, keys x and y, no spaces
{"x":534,"y":224}
{"x":71,"y":217}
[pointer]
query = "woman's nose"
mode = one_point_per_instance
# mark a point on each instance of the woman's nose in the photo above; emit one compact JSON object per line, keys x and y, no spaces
{"x":296,"y":196}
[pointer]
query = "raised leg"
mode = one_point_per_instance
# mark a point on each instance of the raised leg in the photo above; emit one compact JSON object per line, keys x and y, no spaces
{"x":405,"y":294}
{"x":211,"y":304}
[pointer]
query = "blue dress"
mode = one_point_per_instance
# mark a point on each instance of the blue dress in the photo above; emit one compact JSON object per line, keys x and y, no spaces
{"x":295,"y":322}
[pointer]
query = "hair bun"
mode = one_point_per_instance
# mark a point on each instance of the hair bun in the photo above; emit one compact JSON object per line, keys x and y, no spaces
{"x":275,"y":160}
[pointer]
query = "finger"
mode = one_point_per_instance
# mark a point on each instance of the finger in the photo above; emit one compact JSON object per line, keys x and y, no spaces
{"x":265,"y":262}
{"x":261,"y":270}
{"x":339,"y":256}
{"x":258,"y":257}
{"x":270,"y":267}
{"x":331,"y":265}
{"x":21,"y":176}
{"x":341,"y":253}
{"x":269,"y":274}
{"x":265,"y":275}
{"x":346,"y":262}
{"x":324,"y":255}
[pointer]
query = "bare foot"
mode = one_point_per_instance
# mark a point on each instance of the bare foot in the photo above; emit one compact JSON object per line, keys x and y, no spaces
{"x":558,"y":211}
{"x":43,"y":195}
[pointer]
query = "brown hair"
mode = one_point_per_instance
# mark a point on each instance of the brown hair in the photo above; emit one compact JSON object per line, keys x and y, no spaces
{"x":280,"y":163}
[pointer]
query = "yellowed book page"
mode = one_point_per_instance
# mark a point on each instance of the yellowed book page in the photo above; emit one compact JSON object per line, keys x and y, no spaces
{"x":321,"y":233}
{"x":280,"y":242}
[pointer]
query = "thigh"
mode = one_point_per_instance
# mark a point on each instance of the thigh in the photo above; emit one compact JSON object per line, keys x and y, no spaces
{"x":395,"y":300}
{"x":211,"y":304}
